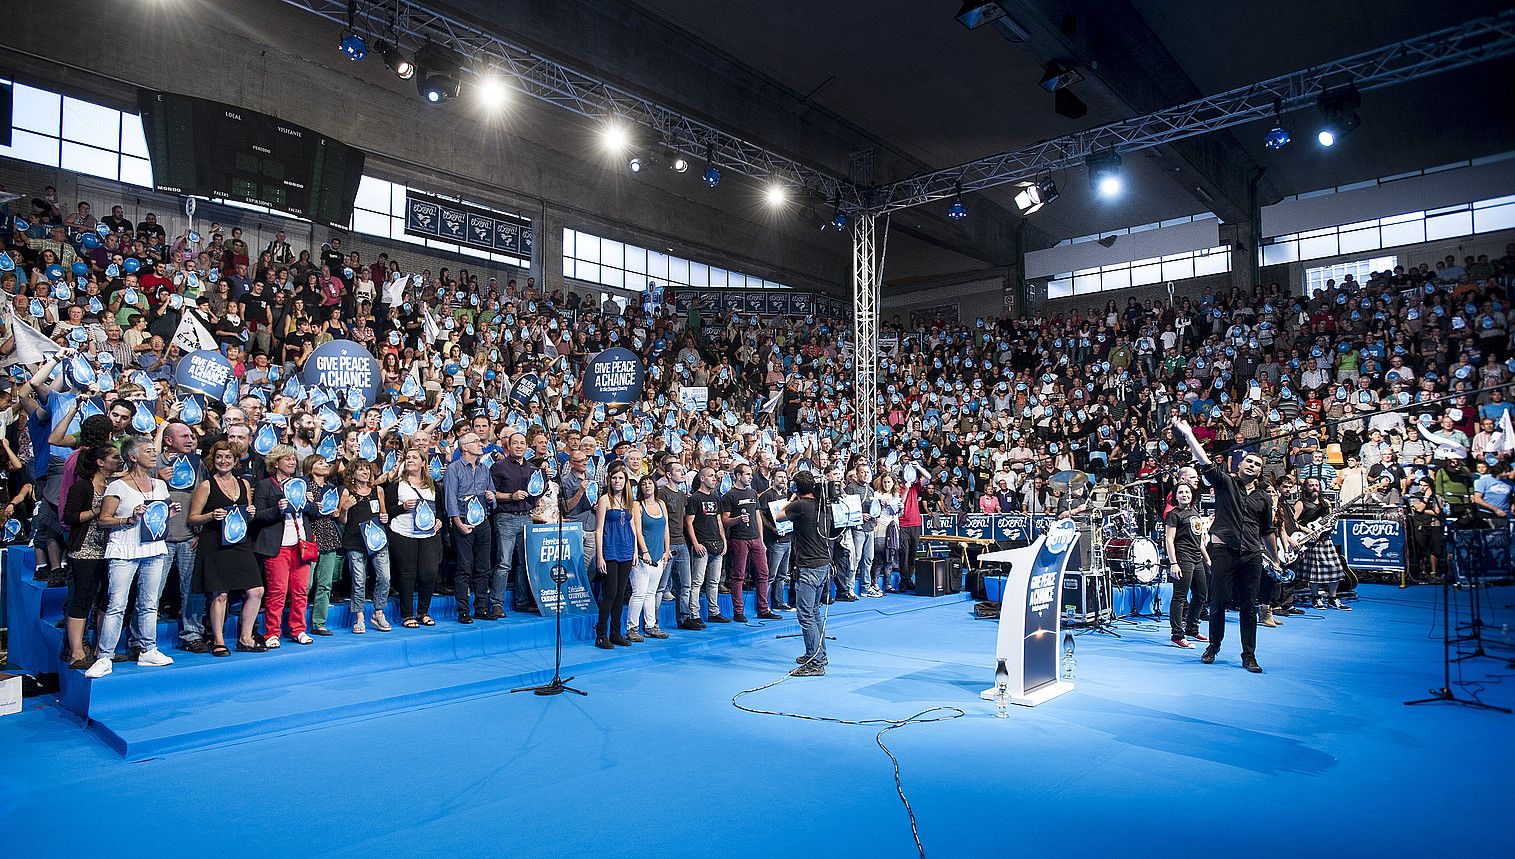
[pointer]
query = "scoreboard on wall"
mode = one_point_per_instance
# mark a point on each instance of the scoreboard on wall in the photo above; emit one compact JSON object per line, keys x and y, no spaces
{"x":209,"y":149}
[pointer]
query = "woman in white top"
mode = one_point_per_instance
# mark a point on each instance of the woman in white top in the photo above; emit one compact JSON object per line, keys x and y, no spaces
{"x":886,"y":491}
{"x":416,"y":552}
{"x":135,"y":552}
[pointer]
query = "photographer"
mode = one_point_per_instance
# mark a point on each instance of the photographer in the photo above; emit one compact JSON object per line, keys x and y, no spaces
{"x":812,"y":557}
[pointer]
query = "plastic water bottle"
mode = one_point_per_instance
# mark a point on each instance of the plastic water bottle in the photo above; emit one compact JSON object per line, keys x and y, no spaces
{"x":1001,"y":691}
{"x":1068,"y":661}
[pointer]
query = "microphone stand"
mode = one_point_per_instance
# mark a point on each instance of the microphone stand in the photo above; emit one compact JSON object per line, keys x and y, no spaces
{"x":558,"y":684}
{"x":1445,"y":693}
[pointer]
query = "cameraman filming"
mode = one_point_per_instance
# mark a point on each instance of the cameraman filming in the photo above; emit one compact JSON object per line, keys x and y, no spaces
{"x":812,"y":565}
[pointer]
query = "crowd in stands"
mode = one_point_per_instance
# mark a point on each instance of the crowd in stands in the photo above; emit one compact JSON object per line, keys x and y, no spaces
{"x":1366,"y":393}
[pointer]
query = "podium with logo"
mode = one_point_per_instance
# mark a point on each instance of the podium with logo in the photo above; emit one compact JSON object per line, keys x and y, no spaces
{"x":1026,"y":651}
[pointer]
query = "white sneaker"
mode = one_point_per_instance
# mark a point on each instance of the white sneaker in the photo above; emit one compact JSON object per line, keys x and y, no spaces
{"x":101,"y":668}
{"x":154,"y":658}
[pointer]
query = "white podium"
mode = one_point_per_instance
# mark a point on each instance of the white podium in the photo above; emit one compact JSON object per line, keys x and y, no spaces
{"x":1026,"y":653}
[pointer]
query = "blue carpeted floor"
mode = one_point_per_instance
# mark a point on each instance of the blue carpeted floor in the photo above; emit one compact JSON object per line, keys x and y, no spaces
{"x":1152,"y":754}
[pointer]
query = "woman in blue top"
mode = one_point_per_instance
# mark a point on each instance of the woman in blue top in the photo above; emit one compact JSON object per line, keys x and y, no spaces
{"x":617,"y":543}
{"x":651,"y":520}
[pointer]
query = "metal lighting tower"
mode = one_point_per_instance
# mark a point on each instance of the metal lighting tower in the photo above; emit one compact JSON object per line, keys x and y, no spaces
{"x":865,"y":298}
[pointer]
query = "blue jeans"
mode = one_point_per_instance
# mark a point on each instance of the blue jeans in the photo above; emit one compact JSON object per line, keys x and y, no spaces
{"x":357,"y":565}
{"x":857,"y":549}
{"x":677,"y":572}
{"x":808,"y":584}
{"x":509,"y":535}
{"x":705,"y":577}
{"x":778,"y":572}
{"x":150,"y":574}
{"x":192,"y":611}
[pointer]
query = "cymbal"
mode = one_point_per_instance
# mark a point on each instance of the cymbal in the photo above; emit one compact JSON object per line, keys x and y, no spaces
{"x":1070,"y":479}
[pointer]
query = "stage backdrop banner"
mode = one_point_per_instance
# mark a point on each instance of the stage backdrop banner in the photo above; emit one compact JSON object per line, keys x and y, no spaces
{"x":614,"y":376}
{"x":479,"y":228}
{"x":341,"y":365}
{"x":1372,"y":544}
{"x":543,"y":550}
{"x":204,"y":372}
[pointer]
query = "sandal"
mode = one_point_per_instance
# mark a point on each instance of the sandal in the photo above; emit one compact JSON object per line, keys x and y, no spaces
{"x":219,"y":650}
{"x":411,"y":623}
{"x":255,"y":647}
{"x":427,"y":621}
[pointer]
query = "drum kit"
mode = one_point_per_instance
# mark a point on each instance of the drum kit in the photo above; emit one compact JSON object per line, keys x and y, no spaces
{"x":1122,"y":554}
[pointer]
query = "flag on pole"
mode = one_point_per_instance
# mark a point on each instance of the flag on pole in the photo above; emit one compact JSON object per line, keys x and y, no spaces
{"x":31,"y":345}
{"x":1506,"y":441}
{"x":430,"y":329}
{"x":191,"y":336}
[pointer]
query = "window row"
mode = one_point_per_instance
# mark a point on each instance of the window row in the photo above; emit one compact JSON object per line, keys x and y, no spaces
{"x":1410,"y":228}
{"x":57,"y":131}
{"x":1216,"y":260}
{"x":619,"y":265}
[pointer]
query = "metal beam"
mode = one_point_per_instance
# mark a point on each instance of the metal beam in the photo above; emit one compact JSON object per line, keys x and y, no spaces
{"x":1444,"y":50}
{"x":409,"y":24}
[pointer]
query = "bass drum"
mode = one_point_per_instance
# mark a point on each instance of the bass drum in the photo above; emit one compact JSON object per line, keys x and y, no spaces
{"x":1136,"y":558}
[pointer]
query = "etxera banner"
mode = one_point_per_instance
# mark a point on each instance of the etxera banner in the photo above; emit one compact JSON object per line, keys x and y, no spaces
{"x":1372,"y":544}
{"x":473,"y":226}
{"x":543,"y":551}
{"x":341,"y":366}
{"x":614,"y":376}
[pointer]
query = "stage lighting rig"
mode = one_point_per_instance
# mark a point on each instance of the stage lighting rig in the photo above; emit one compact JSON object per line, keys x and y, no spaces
{"x":438,"y":73}
{"x":1339,"y":107}
{"x":1105,"y":173}
{"x":396,"y":60}
{"x":958,"y":210}
{"x":1278,"y":136}
{"x":1032,"y":196}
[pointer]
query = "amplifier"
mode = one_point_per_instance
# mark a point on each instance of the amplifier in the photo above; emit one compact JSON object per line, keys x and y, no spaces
{"x":1086,"y":595}
{"x":933,"y":577}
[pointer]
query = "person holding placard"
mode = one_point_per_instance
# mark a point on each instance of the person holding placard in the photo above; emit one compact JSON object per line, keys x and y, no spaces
{"x":325,"y":491}
{"x":417,"y":545}
{"x":136,"y":511}
{"x":281,"y":535}
{"x":650,"y":519}
{"x":221,"y":508}
{"x":362,"y":502}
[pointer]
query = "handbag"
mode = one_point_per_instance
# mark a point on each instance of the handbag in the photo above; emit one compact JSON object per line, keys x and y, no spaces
{"x":306,"y":549}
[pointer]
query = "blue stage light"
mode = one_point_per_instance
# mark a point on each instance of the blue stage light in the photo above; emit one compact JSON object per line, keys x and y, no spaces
{"x":1277,"y":138}
{"x":354,"y":47}
{"x":712,"y":175}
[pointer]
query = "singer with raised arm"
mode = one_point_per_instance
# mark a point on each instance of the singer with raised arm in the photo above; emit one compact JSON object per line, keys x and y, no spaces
{"x":1242,"y":531}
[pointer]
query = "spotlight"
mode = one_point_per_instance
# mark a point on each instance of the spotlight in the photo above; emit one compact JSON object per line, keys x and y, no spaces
{"x":492,"y":91}
{"x":353,"y":46}
{"x":437,"y":73}
{"x":976,"y":13}
{"x":1059,"y":75}
{"x":776,"y":194}
{"x":676,"y":162}
{"x":958,"y":210}
{"x":838,"y":217}
{"x":614,"y":137}
{"x":712,"y":173}
{"x":397,"y":61}
{"x":636,"y":164}
{"x":1339,"y":107}
{"x":1032,"y":196}
{"x":1104,"y":172}
{"x":1278,"y":136}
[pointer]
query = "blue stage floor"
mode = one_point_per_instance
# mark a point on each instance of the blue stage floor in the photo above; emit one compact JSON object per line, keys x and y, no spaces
{"x":1152,"y":754}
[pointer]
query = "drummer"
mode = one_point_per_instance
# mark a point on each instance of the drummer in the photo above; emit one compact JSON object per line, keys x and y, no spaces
{"x":1073,"y":503}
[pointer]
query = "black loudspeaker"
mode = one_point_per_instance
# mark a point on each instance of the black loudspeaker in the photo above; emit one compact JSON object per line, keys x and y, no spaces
{"x":933,"y":577}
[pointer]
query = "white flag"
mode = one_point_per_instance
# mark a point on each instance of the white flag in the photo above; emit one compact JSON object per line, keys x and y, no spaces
{"x":429,"y":328}
{"x":1506,"y":440}
{"x":191,"y":336}
{"x":31,"y":347}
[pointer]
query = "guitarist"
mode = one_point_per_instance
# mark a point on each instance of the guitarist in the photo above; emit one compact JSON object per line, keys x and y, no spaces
{"x":1242,"y":532}
{"x":1321,"y":565}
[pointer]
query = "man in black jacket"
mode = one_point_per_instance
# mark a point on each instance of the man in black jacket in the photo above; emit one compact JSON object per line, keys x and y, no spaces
{"x":1242,"y":531}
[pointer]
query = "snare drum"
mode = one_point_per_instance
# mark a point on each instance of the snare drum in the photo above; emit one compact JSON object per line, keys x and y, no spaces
{"x":1134,"y":557}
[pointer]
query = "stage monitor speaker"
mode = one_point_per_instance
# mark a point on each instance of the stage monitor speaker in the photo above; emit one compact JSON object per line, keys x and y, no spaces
{"x":933,"y":577}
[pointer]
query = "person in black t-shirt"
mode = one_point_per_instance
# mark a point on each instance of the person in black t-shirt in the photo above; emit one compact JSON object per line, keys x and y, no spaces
{"x":812,"y":571}
{"x":707,"y":545}
{"x":744,"y":533}
{"x":1184,"y":531}
{"x":1243,"y":530}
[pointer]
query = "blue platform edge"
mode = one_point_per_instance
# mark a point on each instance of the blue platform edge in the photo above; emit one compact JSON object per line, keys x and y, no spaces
{"x":202,"y":701}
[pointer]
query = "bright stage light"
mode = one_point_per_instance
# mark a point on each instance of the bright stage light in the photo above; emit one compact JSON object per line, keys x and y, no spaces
{"x":1104,"y":173}
{"x":1326,"y":137}
{"x":614,"y":137}
{"x":492,"y":91}
{"x":776,"y":195}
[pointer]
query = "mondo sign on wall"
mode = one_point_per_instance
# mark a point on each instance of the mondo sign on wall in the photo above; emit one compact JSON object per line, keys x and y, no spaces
{"x":759,"y":302}
{"x":470,"y":226}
